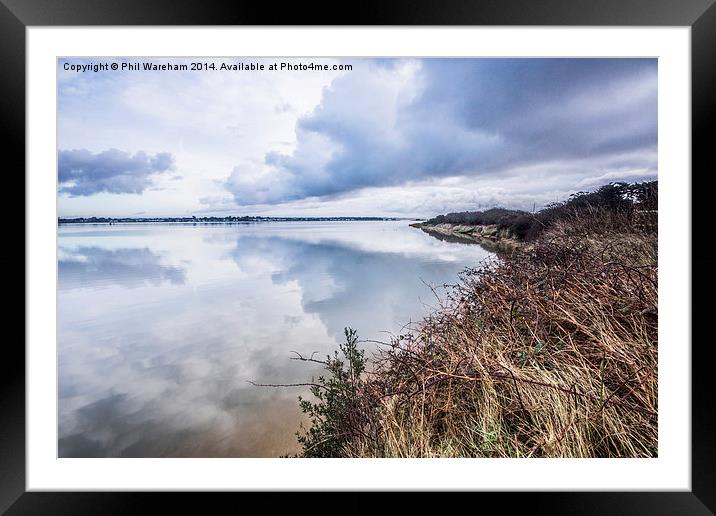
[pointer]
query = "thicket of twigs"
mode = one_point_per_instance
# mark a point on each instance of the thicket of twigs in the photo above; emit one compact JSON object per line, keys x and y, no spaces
{"x":550,"y":353}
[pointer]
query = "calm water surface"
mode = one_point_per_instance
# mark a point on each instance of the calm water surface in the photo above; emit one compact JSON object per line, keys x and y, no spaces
{"x":161,"y":326}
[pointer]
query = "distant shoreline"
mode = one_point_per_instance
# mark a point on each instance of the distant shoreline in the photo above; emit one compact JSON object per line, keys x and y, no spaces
{"x":219,"y":220}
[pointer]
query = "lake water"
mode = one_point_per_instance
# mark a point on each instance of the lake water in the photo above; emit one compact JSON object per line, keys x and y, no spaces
{"x":160,"y":327}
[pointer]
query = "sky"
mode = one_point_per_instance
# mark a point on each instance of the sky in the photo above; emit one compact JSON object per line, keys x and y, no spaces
{"x":386,"y":137}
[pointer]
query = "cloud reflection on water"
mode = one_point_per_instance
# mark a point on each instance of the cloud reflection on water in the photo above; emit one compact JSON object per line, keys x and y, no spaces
{"x":89,"y":266}
{"x":161,"y":368}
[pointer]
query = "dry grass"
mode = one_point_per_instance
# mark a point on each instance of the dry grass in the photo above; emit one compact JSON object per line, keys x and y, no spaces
{"x":550,"y":353}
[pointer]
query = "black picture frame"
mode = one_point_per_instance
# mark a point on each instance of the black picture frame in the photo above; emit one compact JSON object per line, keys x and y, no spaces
{"x":700,"y":15}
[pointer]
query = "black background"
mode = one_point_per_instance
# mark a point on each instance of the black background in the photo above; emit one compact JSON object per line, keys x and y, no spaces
{"x":16,"y":15}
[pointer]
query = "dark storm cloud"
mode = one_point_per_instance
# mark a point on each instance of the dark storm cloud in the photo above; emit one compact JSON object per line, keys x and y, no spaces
{"x":384,"y":125}
{"x":83,"y":173}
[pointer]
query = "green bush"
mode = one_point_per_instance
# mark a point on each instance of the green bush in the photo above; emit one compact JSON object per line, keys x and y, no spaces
{"x":336,"y":416}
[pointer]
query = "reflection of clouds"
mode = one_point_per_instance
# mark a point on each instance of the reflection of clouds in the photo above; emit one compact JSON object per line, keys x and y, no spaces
{"x":345,"y":285}
{"x":368,"y":237}
{"x":116,"y":427}
{"x":181,"y":367}
{"x":94,"y":266}
{"x":158,"y":402}
{"x":162,"y":369}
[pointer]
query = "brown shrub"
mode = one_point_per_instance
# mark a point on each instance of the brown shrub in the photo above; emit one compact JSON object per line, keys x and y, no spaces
{"x":549,"y":353}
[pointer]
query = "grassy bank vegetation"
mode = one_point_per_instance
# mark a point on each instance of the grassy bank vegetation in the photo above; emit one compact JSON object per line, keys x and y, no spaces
{"x":549,"y":353}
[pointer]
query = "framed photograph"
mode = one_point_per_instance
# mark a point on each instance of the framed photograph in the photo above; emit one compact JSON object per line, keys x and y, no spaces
{"x":267,"y":251}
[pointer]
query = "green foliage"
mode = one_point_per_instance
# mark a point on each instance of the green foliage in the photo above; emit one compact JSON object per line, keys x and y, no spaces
{"x":335,"y":416}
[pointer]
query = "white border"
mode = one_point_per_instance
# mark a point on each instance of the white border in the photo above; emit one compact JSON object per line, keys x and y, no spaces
{"x":671,"y":470}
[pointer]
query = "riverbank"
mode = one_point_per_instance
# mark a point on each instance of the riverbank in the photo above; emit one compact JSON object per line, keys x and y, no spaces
{"x":489,"y":236}
{"x":550,"y":353}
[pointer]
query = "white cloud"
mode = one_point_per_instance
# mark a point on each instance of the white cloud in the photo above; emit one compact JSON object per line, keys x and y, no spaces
{"x":411,"y":137}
